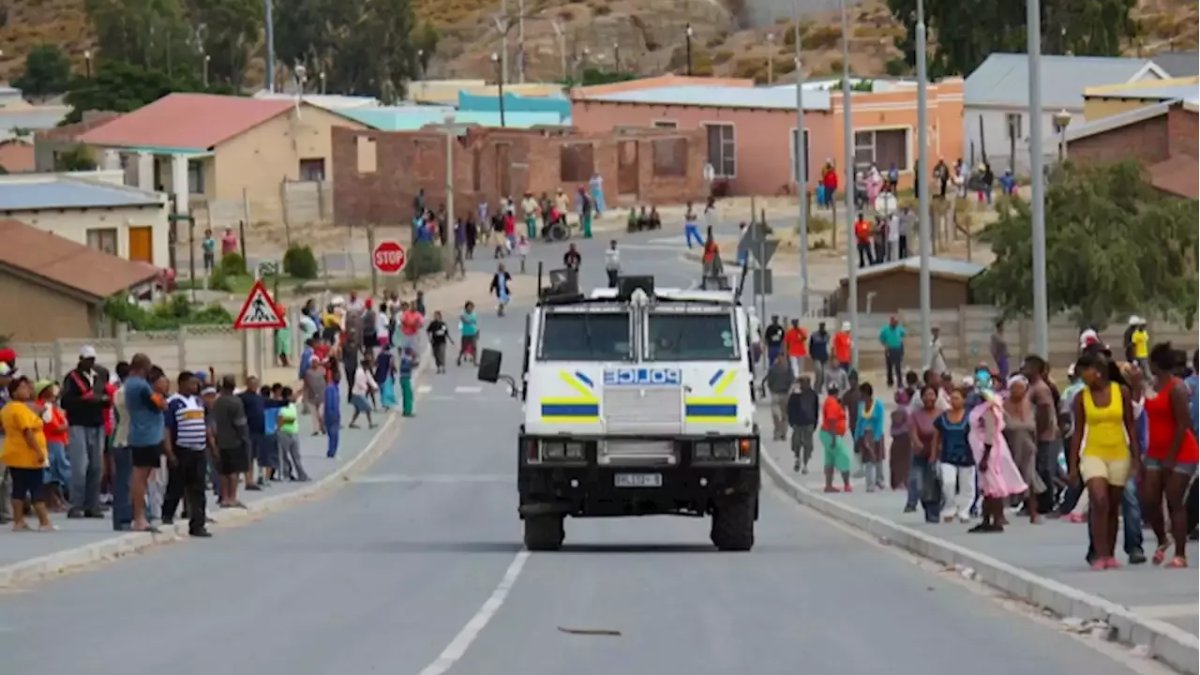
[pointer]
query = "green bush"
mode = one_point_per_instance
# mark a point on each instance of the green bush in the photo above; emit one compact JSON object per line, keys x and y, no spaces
{"x":232,"y":265}
{"x":219,"y":281}
{"x":167,"y":314}
{"x":300,"y":263}
{"x":423,"y":259}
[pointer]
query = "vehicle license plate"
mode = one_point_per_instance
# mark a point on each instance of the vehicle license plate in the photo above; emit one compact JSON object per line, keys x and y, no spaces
{"x":638,"y":480}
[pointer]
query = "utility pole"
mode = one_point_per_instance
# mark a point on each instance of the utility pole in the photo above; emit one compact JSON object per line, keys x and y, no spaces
{"x":924,"y":229}
{"x":801,"y":152}
{"x":848,"y":151}
{"x":521,"y":40}
{"x":1033,"y":28}
{"x":270,"y":46}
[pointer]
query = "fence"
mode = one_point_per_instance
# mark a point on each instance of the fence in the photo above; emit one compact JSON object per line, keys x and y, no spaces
{"x":221,"y":348}
{"x":966,"y":336}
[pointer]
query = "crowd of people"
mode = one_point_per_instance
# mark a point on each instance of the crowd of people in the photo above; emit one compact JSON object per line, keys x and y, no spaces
{"x":139,"y":443}
{"x":1115,"y":446}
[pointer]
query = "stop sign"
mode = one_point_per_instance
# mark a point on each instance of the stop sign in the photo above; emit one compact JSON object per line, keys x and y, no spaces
{"x":389,"y":257}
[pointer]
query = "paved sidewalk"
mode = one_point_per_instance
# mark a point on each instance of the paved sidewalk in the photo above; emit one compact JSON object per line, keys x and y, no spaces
{"x":16,"y":547}
{"x":1051,"y":552}
{"x":30,"y":556}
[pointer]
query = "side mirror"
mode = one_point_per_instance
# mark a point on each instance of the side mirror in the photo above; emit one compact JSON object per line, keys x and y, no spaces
{"x":489,"y":365}
{"x":489,"y":370}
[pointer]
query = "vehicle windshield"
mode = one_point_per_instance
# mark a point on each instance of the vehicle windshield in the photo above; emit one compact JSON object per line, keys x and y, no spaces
{"x":691,"y":337}
{"x":586,"y":336}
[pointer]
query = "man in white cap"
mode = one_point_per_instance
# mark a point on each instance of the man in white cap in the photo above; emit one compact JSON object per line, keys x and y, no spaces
{"x":84,"y":399}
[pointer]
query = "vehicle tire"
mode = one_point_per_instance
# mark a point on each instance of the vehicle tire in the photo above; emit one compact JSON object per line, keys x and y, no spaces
{"x":733,"y":523}
{"x":544,"y":533}
{"x":558,"y":232}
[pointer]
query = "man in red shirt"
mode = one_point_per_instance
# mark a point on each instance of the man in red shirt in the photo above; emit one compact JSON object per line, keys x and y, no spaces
{"x":843,"y":347}
{"x":796,"y":343}
{"x":862,"y":235}
{"x":411,"y":322}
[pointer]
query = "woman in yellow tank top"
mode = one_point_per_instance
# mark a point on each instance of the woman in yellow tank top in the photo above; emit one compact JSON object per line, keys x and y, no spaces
{"x":1104,"y":450}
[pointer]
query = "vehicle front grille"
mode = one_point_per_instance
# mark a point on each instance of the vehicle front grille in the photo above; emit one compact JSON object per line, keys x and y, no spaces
{"x":638,"y":452}
{"x":654,"y":410}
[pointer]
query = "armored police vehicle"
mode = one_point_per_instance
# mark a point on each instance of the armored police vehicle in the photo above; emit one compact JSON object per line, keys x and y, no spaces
{"x":638,"y":401}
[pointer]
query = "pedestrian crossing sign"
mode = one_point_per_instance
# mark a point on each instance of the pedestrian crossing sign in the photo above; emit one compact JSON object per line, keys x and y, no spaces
{"x":259,"y":310}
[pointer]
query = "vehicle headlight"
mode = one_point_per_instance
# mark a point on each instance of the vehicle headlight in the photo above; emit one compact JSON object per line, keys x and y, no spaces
{"x":568,"y":451}
{"x":715,"y":451}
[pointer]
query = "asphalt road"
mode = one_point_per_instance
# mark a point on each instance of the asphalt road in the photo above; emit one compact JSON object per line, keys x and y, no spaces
{"x":416,"y":567}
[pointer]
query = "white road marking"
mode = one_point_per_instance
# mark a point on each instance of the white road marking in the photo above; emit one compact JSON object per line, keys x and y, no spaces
{"x":437,"y":478}
{"x":467,"y":389}
{"x":424,"y":389}
{"x":461,"y":642}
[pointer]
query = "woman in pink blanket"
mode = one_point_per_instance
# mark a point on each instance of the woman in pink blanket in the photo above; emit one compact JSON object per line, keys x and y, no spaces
{"x":999,"y":477}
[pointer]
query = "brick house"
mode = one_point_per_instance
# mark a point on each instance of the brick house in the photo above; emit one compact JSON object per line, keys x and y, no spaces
{"x":379,"y":173}
{"x":1163,"y":137}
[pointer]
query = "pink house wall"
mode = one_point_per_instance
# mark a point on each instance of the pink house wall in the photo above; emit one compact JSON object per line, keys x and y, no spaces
{"x":761,"y":137}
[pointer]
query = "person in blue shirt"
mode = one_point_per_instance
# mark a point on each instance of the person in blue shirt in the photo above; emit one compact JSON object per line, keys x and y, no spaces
{"x":332,"y":410}
{"x":868,"y":435}
{"x":256,"y":414}
{"x":892,"y":337}
{"x":1193,"y":386}
{"x":145,"y":404}
{"x":818,"y":351}
{"x":468,"y":328}
{"x":408,"y":363}
{"x":305,"y":359}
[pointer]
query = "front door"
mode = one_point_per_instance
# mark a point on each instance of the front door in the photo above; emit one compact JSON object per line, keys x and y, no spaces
{"x":141,"y":244}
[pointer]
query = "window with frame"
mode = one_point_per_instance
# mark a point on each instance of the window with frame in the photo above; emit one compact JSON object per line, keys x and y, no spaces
{"x":1012,"y":126}
{"x":103,"y":239}
{"x":195,"y":177}
{"x":722,"y":149}
{"x":882,"y":147}
{"x":807,"y":166}
{"x":312,"y":169}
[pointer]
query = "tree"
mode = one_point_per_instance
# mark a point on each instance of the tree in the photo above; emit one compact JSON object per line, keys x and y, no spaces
{"x":369,"y":47}
{"x":77,"y":158}
{"x":964,"y":32}
{"x":121,"y":87}
{"x":47,"y":72}
{"x":227,"y":31}
{"x":153,"y":33}
{"x":1114,"y":245}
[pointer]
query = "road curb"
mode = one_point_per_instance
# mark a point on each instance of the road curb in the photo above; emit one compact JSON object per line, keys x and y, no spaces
{"x":1167,"y":643}
{"x":64,"y":562}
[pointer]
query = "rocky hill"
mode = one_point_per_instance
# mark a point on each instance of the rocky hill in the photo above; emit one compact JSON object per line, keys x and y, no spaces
{"x":729,"y":37}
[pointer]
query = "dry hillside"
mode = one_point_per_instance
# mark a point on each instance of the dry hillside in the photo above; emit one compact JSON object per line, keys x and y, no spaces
{"x":647,"y":35}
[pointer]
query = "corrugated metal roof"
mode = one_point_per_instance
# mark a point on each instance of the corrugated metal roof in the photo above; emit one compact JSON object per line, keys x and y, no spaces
{"x":1179,"y":64}
{"x":414,"y":118}
{"x":21,"y":193}
{"x":1003,"y":79}
{"x":944,"y":267}
{"x":1163,"y":93}
{"x":1119,"y":120}
{"x":33,"y":117}
{"x":771,"y":98}
{"x":185,"y":121}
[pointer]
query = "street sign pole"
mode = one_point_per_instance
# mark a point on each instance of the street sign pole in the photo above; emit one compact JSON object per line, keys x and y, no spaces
{"x":925,"y":231}
{"x":801,"y":152}
{"x":371,"y":252}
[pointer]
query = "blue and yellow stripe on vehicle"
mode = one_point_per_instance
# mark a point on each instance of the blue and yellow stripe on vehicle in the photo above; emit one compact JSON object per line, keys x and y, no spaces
{"x":718,"y":409}
{"x":583,"y":408}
